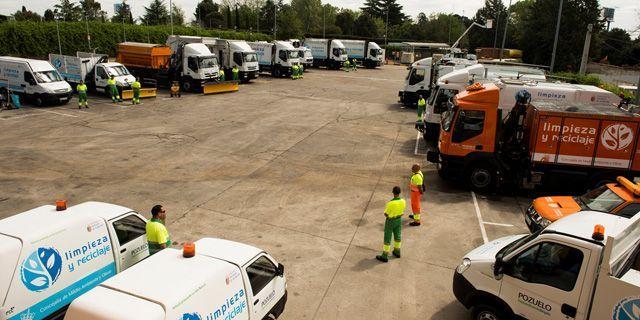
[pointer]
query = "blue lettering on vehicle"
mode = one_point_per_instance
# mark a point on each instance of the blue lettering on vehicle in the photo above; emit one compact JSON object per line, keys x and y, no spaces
{"x":232,"y":307}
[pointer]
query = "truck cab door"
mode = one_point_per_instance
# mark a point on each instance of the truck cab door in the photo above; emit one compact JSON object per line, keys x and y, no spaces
{"x":416,"y":81}
{"x":129,"y":238}
{"x":468,"y":133}
{"x":545,"y":281}
{"x":29,"y":84}
{"x":101,"y":78}
{"x":266,"y":286}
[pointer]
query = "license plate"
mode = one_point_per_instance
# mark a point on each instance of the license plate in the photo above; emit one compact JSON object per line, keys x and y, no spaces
{"x":63,"y":99}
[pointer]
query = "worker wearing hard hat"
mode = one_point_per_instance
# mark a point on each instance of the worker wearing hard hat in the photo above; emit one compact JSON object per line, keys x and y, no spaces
{"x":113,"y":89}
{"x":393,"y":225}
{"x":422,"y":105}
{"x":416,"y":184}
{"x":157,"y":233}
{"x":82,"y":95}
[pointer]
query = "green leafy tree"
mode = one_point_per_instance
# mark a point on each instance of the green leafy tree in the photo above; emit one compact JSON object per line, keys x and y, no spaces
{"x":310,"y":12}
{"x":92,"y":10}
{"x":123,"y":15}
{"x":479,"y":37}
{"x":49,"y":15}
{"x":346,"y":20}
{"x":208,"y":14}
{"x":177,"y":14}
{"x":26,"y":15}
{"x":372,"y":8}
{"x":155,"y":14}
{"x":365,"y":26}
{"x":68,"y":11}
{"x":289,"y":24}
{"x":394,"y":10}
{"x":617,"y":47}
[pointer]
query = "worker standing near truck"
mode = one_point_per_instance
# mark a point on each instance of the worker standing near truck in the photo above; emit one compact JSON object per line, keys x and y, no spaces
{"x":416,"y":185}
{"x":113,"y":88}
{"x":222,"y":78}
{"x":157,"y":234}
{"x":347,"y":65}
{"x":393,"y":225}
{"x":82,"y":95}
{"x":294,"y":72}
{"x":235,"y":72}
{"x":422,"y":105}
{"x":136,"y":91}
{"x":354,"y":66}
{"x":301,"y":70}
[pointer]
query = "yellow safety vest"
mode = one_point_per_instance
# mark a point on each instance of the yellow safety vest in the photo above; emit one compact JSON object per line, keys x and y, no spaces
{"x":157,"y":234}
{"x":421,"y":103}
{"x":111,"y":82}
{"x":82,"y":88}
{"x":136,"y":85}
{"x":395,"y":208}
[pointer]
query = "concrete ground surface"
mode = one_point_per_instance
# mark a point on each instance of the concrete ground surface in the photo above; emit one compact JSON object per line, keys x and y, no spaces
{"x":299,"y":168}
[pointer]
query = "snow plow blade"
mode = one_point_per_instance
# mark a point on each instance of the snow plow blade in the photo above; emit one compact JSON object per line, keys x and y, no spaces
{"x":220,"y":87}
{"x":144,"y":93}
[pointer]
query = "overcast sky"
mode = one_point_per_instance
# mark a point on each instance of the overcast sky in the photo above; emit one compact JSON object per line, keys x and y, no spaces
{"x":626,"y":15}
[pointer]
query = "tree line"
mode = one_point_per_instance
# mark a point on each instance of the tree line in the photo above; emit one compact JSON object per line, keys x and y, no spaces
{"x":530,"y":24}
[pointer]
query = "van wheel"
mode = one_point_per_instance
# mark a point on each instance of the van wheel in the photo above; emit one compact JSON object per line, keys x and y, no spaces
{"x":486,"y":312}
{"x":482,"y":177}
{"x":277,"y":73}
{"x":39,"y":101}
{"x":186,"y":85}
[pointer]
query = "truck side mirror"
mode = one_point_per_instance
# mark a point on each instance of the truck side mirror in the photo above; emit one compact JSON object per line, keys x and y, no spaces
{"x":498,"y":267}
{"x":280,"y":270}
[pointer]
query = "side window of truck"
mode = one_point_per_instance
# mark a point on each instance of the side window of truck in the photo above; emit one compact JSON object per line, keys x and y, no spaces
{"x":101,"y":73}
{"x":629,"y":211}
{"x":260,"y":273}
{"x":192,"y":63}
{"x":282,"y":55}
{"x":548,"y":263}
{"x":237,"y":58}
{"x":129,"y":228}
{"x":469,"y":124}
{"x":417,"y":75}
{"x":442,"y":100}
{"x":28,"y":78}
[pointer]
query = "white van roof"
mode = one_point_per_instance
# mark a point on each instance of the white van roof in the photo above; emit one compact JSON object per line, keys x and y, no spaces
{"x":36,"y":65}
{"x":581,"y":225}
{"x":42,"y":220}
{"x":231,"y":251}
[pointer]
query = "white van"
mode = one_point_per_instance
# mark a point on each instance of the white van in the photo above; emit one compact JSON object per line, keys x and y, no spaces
{"x":35,"y":79}
{"x":50,"y":257}
{"x":223,"y":280}
{"x":566,"y":271}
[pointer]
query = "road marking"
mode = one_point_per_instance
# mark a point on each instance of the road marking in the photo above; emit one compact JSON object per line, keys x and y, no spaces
{"x":482,"y":230}
{"x":371,"y":78}
{"x":498,"y":224}
{"x":58,"y":113}
{"x":415,"y":150}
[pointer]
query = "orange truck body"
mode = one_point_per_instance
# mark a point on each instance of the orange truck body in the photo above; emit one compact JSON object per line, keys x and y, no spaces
{"x":144,"y":55}
{"x":551,"y":139}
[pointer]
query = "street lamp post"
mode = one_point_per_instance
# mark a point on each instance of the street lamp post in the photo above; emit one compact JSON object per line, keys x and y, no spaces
{"x":555,"y":41}
{"x":171,"y":15}
{"x":506,"y":26}
{"x":386,"y":27}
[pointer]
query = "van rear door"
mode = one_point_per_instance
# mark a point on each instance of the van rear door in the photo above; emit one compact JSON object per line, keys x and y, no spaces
{"x":129,"y":238}
{"x":265,"y":286}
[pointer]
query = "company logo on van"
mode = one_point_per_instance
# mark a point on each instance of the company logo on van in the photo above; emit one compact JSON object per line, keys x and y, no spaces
{"x":627,"y":309}
{"x":191,"y":316}
{"x":617,"y":137}
{"x":57,"y":63}
{"x":41,"y":269}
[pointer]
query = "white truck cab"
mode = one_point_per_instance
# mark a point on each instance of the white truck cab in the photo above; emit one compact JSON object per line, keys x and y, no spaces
{"x":49,"y":257}
{"x":327,"y":52}
{"x":566,"y":271}
{"x":222,"y":280}
{"x":34,"y":79}
{"x":368,"y":53}
{"x":276,"y":57}
{"x":193,"y":62}
{"x":235,"y":53}
{"x":94,"y":69}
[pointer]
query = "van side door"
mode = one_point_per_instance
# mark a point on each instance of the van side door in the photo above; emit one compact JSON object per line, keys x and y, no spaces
{"x":129,"y":237}
{"x":101,"y":78}
{"x":29,"y":84}
{"x":265,"y":286}
{"x":546,"y":280}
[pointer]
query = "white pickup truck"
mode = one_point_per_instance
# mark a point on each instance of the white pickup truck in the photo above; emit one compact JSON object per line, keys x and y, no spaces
{"x":584,"y":266}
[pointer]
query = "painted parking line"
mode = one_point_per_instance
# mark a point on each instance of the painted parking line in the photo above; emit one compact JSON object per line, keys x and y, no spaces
{"x":58,"y":113}
{"x":371,"y":78}
{"x":415,"y":150}
{"x":497,"y":224}
{"x":479,"y":216}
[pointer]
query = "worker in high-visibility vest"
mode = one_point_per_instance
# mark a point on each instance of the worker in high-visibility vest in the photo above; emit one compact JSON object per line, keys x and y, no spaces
{"x":354,"y":66}
{"x":221,"y":76}
{"x":393,"y":225}
{"x":422,"y":105}
{"x":301,"y":71}
{"x":113,"y":89}
{"x":82,"y":95}
{"x":416,"y":184}
{"x":157,"y":233}
{"x":347,"y":65}
{"x":294,"y":72}
{"x":236,"y":73}
{"x":136,"y":86}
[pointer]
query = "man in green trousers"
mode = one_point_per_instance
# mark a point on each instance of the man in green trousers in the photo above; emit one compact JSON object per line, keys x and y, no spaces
{"x":393,"y":225}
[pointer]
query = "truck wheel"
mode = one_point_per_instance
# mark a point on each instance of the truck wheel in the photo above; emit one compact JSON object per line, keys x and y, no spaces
{"x":486,"y":312}
{"x":39,"y":101}
{"x":277,"y":73}
{"x":482,"y":177}
{"x":186,"y":85}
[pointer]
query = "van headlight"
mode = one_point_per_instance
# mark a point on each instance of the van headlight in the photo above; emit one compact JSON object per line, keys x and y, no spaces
{"x":464,"y":265}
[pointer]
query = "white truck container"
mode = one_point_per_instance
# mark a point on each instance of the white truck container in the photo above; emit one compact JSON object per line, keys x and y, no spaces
{"x":37,"y":80}
{"x":223,"y":280}
{"x":368,"y":53}
{"x":456,"y":81}
{"x":326,"y":52}
{"x":566,"y":271}
{"x":49,"y":257}
{"x":94,"y":70}
{"x":234,"y":53}
{"x":276,"y":57}
{"x":192,"y":62}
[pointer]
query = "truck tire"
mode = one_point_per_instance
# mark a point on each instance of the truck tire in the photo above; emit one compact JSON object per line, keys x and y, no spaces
{"x":486,"y":312}
{"x":277,"y":73}
{"x":185,"y":85}
{"x":481,"y":177}
{"x":39,"y":102}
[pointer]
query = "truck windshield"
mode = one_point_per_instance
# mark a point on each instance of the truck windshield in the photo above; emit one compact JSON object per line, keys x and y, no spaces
{"x":118,"y":71}
{"x":375,"y":52}
{"x":601,"y":199}
{"x":47,"y":76}
{"x":339,"y":51}
{"x":432,"y":97}
{"x":250,"y":57}
{"x":293,"y":54}
{"x":207,"y":62}
{"x":443,"y":98}
{"x":447,"y":118}
{"x":517,"y":244}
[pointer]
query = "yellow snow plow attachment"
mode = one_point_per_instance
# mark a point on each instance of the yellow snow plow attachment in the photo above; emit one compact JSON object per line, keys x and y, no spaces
{"x":220,"y":87}
{"x":144,"y":93}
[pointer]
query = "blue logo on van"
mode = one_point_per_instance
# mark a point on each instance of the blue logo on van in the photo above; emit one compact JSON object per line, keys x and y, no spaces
{"x":191,"y":316}
{"x":41,"y":269}
{"x":627,"y":309}
{"x":57,"y":63}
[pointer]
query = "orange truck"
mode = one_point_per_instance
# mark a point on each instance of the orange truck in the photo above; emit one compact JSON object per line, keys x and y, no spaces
{"x":540,"y":143}
{"x":621,"y":199}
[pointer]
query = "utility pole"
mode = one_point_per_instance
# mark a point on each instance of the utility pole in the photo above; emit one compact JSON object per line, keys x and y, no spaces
{"x":638,"y":92}
{"x":324,"y":25}
{"x":585,"y":50}
{"x":386,"y":26}
{"x":257,"y":19}
{"x":59,"y":43}
{"x":506,"y":26}
{"x":171,"y":15}
{"x":275,"y":19}
{"x":495,"y":37}
{"x":555,"y":41}
{"x":86,"y":21}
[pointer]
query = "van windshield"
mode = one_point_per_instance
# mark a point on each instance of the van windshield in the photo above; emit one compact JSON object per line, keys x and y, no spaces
{"x":250,"y":57}
{"x":118,"y":71}
{"x":601,"y":199}
{"x":207,"y":62}
{"x":47,"y":76}
{"x":517,"y":244}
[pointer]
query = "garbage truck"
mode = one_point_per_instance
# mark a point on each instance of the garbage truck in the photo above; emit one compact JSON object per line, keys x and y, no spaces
{"x":235,"y":53}
{"x":540,"y":142}
{"x":368,"y":53}
{"x":209,"y":279}
{"x":584,"y":267}
{"x":50,"y":255}
{"x":276,"y":57}
{"x":304,"y":54}
{"x":94,"y":69}
{"x":329,"y":53}
{"x":33,"y":79}
{"x":192,"y":65}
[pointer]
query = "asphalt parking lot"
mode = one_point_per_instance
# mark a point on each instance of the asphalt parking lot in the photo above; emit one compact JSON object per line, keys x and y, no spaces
{"x":299,"y":168}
